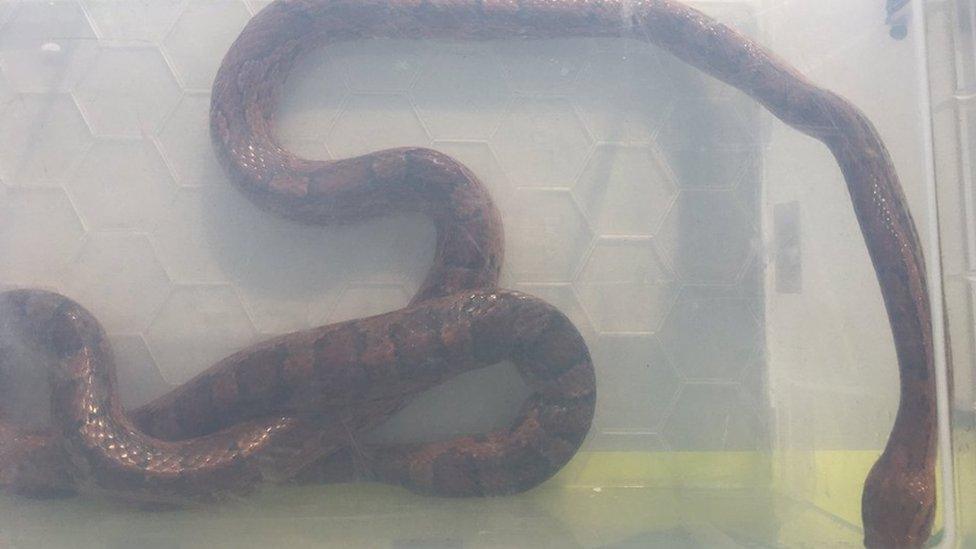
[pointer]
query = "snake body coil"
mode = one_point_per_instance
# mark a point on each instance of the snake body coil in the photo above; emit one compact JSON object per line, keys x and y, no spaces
{"x":284,"y":409}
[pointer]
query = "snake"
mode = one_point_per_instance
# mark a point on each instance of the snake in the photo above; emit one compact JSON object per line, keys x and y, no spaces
{"x":290,"y":409}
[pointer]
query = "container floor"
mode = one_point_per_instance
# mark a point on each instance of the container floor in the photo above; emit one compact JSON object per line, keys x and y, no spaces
{"x":375,"y":516}
{"x":569,"y":511}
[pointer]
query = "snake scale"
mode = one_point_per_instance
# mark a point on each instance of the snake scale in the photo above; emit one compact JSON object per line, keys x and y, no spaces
{"x":288,"y":409}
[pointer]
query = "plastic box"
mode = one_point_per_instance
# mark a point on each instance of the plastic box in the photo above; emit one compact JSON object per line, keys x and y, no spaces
{"x":707,"y":252}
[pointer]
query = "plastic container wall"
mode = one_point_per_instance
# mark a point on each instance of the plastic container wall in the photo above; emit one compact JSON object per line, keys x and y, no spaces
{"x":707,"y":252}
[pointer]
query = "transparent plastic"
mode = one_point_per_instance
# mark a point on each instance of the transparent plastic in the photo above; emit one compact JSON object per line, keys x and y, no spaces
{"x":707,"y":252}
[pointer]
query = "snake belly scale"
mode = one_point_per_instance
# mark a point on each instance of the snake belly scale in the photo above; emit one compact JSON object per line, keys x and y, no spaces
{"x":284,"y":409}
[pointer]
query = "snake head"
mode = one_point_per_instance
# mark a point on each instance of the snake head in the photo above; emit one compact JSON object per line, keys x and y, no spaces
{"x":31,"y":462}
{"x":51,"y":326}
{"x":898,"y":504}
{"x":42,"y":335}
{"x":32,"y":314}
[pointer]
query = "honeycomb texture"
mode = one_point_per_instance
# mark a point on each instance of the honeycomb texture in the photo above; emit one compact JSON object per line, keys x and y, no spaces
{"x":628,"y":184}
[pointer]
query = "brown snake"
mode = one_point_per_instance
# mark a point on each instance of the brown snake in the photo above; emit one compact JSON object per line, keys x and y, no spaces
{"x":284,"y":409}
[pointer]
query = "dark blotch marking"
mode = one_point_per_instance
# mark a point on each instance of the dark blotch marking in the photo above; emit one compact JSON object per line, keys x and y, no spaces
{"x":532,"y":467}
{"x":492,"y":333}
{"x":558,"y":348}
{"x":420,"y":352}
{"x":339,"y":348}
{"x":195,"y":414}
{"x":63,"y":332}
{"x":456,"y":475}
{"x":337,"y":360}
{"x":260,"y":381}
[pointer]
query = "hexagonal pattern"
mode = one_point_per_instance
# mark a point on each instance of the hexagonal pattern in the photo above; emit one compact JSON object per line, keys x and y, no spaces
{"x":625,"y":190}
{"x":712,"y":417}
{"x":547,"y":236}
{"x":280,"y":268}
{"x":636,"y":373}
{"x":200,"y":38}
{"x":708,"y":143}
{"x":184,"y":141}
{"x":540,"y":142}
{"x":753,"y":379}
{"x":117,"y":277}
{"x":361,"y":300}
{"x":195,"y":327}
{"x":371,"y":122}
{"x":380,"y":66}
{"x":214,"y":235}
{"x":138,"y":376}
{"x":45,"y":45}
{"x":133,"y":20}
{"x":711,"y":339}
{"x":748,"y":189}
{"x":545,"y":66}
{"x":186,"y":273}
{"x":401,"y":250}
{"x":691,"y":84}
{"x":182,"y":239}
{"x":126,"y":92}
{"x":625,"y":92}
{"x":33,"y":254}
{"x":257,"y":5}
{"x":41,"y":137}
{"x":459,"y":97}
{"x":277,"y":310}
{"x":314,"y":97}
{"x":562,"y":297}
{"x":481,"y":160}
{"x":707,"y":237}
{"x":625,"y":286}
{"x":121,"y":185}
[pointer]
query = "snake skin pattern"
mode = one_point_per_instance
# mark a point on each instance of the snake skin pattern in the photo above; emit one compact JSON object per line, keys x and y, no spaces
{"x":287,"y":409}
